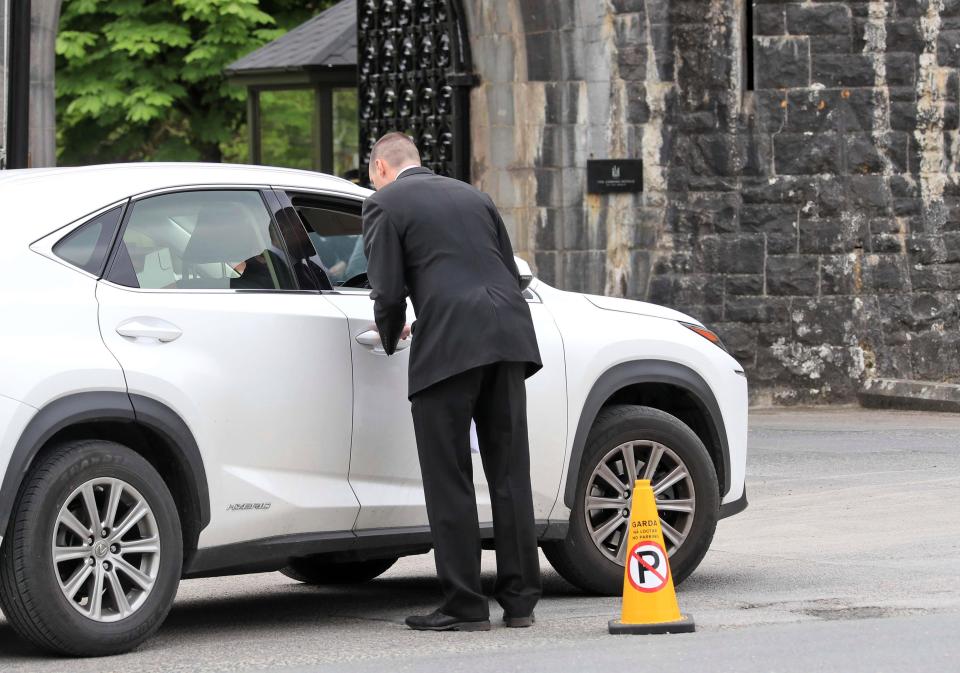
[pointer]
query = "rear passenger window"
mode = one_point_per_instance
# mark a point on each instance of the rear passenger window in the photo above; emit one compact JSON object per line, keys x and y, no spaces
{"x":202,"y":240}
{"x":87,"y":246}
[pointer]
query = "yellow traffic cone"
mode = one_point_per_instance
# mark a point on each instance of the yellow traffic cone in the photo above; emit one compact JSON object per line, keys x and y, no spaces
{"x":649,"y":601}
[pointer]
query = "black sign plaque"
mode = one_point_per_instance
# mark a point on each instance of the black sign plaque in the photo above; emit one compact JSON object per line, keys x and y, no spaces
{"x":605,"y":176}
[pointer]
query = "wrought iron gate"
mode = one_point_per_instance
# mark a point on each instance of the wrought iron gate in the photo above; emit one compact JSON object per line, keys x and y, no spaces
{"x":414,"y":76}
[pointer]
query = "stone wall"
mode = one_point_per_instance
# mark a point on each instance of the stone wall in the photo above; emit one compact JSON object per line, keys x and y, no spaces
{"x":812,"y":221}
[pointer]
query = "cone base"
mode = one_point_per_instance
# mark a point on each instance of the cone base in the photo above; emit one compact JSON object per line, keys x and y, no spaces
{"x":683,"y":625}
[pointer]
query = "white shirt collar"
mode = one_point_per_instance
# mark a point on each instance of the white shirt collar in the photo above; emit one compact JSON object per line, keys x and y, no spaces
{"x":406,"y":168}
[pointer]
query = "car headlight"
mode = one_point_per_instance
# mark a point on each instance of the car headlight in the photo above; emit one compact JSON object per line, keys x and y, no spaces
{"x":706,"y":334}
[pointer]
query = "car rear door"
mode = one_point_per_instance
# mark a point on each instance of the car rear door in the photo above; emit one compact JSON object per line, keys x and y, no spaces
{"x":202,"y":310}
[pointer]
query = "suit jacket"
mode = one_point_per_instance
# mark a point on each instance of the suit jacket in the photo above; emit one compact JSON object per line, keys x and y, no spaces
{"x":443,"y":242}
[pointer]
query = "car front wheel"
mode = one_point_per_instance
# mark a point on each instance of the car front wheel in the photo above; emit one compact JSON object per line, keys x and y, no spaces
{"x":91,"y":558}
{"x":629,"y":443}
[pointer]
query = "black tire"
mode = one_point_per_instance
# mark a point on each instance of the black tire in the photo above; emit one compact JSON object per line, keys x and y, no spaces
{"x":577,"y":558}
{"x":313,"y":570}
{"x":30,"y":595}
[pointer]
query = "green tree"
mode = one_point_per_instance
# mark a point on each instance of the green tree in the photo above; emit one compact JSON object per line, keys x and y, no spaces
{"x":143,"y":79}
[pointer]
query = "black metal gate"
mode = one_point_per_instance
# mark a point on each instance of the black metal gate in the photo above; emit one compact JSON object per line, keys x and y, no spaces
{"x":414,"y":74}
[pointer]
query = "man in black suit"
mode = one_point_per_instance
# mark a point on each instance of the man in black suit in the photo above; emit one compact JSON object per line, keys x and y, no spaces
{"x":443,"y":242}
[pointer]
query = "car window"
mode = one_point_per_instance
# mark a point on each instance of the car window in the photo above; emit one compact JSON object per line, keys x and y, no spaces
{"x":338,"y":239}
{"x":87,"y":246}
{"x":201,"y":240}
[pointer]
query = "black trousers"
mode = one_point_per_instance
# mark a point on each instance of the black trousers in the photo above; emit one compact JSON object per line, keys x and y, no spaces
{"x":495,"y":397}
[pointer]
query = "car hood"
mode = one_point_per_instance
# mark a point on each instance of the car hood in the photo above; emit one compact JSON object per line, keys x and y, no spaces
{"x":639,"y":308}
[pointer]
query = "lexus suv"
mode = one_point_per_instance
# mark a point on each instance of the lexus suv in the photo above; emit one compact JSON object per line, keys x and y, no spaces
{"x":190,"y":386}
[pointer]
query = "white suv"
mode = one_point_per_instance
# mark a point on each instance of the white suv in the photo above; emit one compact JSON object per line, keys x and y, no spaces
{"x":189,"y":387}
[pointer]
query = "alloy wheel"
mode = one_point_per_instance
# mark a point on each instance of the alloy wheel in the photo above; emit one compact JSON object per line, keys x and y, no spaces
{"x":106,"y":549}
{"x":609,"y":495}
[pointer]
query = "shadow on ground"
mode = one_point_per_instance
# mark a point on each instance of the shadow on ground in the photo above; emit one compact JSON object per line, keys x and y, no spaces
{"x":293,"y":605}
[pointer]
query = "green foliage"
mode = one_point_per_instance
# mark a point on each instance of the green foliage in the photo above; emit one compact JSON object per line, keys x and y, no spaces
{"x":286,"y":128}
{"x":143,"y":79}
{"x":346,"y":131}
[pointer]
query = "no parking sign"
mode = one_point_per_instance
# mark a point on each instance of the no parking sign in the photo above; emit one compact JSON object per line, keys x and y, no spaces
{"x":649,"y":569}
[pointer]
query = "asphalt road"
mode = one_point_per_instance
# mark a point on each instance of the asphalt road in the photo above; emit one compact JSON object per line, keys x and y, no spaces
{"x":847,"y":560}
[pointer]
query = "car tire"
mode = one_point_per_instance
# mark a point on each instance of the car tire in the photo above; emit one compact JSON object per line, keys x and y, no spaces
{"x":146,"y":540}
{"x":317,"y":571}
{"x":577,"y":558}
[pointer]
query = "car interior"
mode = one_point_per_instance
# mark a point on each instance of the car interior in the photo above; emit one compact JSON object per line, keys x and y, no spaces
{"x":337,"y":235}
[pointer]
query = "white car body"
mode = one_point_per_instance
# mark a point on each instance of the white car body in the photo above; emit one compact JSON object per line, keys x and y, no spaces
{"x":302,"y":432}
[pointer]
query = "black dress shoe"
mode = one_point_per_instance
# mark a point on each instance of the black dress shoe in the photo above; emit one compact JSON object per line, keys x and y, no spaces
{"x":518,"y":622}
{"x":437,"y":621}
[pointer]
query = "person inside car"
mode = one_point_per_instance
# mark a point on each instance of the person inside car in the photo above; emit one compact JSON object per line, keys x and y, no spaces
{"x":254,"y":274}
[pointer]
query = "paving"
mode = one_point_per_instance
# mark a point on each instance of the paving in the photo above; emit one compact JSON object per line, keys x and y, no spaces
{"x":847,"y":559}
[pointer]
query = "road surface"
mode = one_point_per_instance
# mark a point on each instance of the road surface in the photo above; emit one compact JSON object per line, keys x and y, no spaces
{"x":846,"y":560}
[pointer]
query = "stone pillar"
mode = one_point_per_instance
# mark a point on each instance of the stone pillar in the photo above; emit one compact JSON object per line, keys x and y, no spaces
{"x":45,"y":18}
{"x":563,"y":81}
{"x":3,"y":80}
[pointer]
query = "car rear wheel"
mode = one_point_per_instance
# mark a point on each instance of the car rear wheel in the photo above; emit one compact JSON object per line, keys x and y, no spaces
{"x":317,"y":571}
{"x":629,"y":443}
{"x":91,"y":558}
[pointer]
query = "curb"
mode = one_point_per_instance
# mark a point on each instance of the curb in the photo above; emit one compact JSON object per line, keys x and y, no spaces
{"x":914,"y":395}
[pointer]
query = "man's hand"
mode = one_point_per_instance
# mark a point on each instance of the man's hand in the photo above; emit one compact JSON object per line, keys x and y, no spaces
{"x":405,"y":334}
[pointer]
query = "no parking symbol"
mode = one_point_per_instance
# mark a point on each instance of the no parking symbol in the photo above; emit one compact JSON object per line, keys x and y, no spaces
{"x":648,"y":566}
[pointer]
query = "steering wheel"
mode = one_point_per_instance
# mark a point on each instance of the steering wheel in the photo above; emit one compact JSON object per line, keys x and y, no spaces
{"x":359,"y":280}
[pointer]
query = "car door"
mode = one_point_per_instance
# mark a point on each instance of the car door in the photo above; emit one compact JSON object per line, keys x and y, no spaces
{"x":200,"y":307}
{"x":384,"y":467}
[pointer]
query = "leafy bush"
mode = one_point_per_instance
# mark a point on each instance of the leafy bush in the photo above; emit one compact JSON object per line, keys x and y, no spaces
{"x":142,"y":80}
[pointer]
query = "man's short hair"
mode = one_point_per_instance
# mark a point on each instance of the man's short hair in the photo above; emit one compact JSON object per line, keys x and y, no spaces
{"x":396,"y":149}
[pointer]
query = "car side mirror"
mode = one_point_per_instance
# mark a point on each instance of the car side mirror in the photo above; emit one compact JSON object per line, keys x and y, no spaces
{"x":526,"y":275}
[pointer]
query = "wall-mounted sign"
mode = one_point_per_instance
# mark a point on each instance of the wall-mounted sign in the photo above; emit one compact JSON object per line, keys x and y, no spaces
{"x":614,"y":175}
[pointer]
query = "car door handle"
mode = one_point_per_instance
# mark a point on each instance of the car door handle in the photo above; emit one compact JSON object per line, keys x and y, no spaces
{"x":149,"y":328}
{"x":371,"y":339}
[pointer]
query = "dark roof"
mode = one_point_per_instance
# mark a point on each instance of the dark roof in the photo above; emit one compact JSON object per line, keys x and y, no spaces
{"x":327,"y":40}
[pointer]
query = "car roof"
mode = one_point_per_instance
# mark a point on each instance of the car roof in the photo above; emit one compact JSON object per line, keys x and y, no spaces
{"x":37,"y":201}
